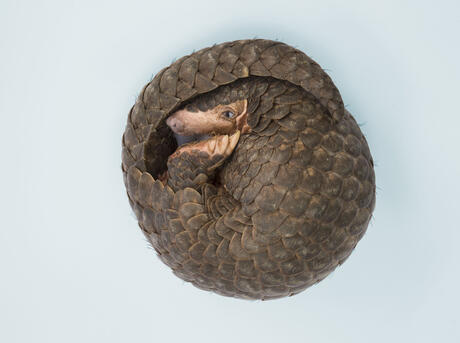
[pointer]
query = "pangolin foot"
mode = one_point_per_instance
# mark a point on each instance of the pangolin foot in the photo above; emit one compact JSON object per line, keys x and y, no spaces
{"x":210,"y":153}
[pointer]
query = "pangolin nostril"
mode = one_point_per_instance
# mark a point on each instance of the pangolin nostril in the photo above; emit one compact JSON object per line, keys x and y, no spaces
{"x":174,"y":124}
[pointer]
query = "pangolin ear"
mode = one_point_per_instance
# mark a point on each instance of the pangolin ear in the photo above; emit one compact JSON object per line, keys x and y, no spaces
{"x":245,"y":107}
{"x":242,"y":108}
{"x":242,"y":118}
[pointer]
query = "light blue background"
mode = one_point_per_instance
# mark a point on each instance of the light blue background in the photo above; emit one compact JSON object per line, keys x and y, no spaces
{"x":74,"y":266}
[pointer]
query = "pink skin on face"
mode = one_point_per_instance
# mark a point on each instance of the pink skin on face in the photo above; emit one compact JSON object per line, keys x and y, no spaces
{"x":223,"y":119}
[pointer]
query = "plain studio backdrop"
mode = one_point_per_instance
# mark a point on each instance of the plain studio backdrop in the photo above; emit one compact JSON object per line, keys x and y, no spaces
{"x":75,"y":267}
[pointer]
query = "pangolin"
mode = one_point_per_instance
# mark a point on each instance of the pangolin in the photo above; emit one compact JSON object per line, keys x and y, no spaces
{"x":247,"y":175}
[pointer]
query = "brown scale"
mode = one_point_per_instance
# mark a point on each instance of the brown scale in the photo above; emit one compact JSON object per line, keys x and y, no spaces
{"x":259,"y":203}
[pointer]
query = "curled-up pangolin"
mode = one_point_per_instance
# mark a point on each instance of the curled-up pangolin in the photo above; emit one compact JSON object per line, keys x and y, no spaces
{"x":245,"y":172}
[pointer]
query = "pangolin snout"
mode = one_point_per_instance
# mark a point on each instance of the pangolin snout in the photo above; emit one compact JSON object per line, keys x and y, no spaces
{"x":175,"y":124}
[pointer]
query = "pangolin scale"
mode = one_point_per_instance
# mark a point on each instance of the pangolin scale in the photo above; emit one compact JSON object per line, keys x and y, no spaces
{"x":285,"y":208}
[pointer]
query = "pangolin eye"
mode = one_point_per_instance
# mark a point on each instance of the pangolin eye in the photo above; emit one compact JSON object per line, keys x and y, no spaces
{"x":228,"y":114}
